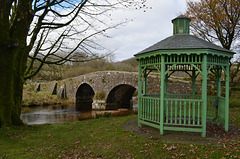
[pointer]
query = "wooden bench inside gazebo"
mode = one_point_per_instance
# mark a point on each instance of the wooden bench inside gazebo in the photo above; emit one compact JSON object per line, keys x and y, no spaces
{"x":196,"y":57}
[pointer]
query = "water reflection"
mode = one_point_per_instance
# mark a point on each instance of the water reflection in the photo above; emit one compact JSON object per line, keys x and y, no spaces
{"x":63,"y":113}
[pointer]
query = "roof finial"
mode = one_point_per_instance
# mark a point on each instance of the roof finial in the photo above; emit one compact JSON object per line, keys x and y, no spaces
{"x":181,"y":25}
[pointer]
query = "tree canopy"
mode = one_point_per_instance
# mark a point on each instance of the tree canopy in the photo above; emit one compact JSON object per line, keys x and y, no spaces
{"x":47,"y":32}
{"x":216,"y":20}
{"x":72,"y":28}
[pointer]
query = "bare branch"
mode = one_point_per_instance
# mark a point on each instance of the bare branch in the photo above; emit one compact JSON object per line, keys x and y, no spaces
{"x":57,"y":22}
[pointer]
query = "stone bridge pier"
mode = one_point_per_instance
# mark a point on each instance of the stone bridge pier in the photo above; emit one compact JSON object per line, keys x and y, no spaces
{"x":120,"y":97}
{"x":116,"y":89}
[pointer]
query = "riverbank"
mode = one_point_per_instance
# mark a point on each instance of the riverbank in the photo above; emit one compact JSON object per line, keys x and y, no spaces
{"x":41,"y":98}
{"x":106,"y":138}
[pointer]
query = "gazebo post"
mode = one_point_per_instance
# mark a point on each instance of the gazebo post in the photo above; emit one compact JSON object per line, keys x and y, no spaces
{"x":227,"y":98}
{"x":193,"y":83}
{"x":144,"y":81}
{"x":204,"y":95}
{"x":219,"y":71}
{"x":166,"y":85}
{"x":162,"y":94}
{"x":139,"y":94}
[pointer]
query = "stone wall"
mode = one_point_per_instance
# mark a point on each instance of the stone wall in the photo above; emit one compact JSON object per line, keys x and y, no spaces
{"x":109,"y":81}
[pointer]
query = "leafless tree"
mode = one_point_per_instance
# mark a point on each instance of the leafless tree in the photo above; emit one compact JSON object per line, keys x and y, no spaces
{"x":217,"y":21}
{"x":39,"y":30}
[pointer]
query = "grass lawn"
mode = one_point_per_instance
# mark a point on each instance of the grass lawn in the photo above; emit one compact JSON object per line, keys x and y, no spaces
{"x":102,"y":138}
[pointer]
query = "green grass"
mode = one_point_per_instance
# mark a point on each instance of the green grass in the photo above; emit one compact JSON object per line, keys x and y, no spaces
{"x":234,"y":100}
{"x":101,"y":138}
{"x":234,"y":116}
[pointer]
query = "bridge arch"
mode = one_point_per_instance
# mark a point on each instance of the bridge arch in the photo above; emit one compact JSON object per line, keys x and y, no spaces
{"x":84,"y":97}
{"x":120,"y":97}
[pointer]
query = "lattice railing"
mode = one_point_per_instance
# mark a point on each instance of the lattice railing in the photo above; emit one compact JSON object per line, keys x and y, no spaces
{"x":184,"y":112}
{"x":149,"y":108}
{"x":193,"y":59}
{"x":178,"y":109}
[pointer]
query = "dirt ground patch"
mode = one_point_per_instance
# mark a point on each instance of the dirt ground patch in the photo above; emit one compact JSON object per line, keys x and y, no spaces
{"x":215,"y":134}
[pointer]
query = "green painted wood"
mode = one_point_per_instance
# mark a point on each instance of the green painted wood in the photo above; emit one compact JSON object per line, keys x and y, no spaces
{"x":171,"y":67}
{"x":159,"y":71}
{"x":183,"y":129}
{"x":155,"y":125}
{"x":180,"y":52}
{"x":183,"y":110}
{"x":194,"y":113}
{"x":218,"y":60}
{"x":151,"y":107}
{"x":167,"y":111}
{"x":204,"y":95}
{"x":155,"y":111}
{"x":193,"y":83}
{"x":180,"y":114}
{"x":148,"y":108}
{"x":199,"y":109}
{"x":163,"y":68}
{"x":171,"y":110}
{"x":189,"y":112}
{"x":227,"y":98}
{"x":209,"y":69}
{"x":144,"y":82}
{"x":181,"y":25}
{"x":151,"y":111}
{"x":176,"y":111}
{"x":219,"y":70}
{"x":184,"y":99}
{"x":166,"y":85}
{"x":221,"y":110}
{"x":193,"y":65}
{"x":139,"y":94}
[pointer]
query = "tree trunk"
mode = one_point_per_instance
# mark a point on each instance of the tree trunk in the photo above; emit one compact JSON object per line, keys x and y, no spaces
{"x":20,"y":60}
{"x":6,"y":86}
{"x":13,"y":58}
{"x":11,"y":85}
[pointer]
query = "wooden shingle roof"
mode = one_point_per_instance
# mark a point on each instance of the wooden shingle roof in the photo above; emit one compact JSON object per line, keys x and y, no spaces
{"x":183,"y":41}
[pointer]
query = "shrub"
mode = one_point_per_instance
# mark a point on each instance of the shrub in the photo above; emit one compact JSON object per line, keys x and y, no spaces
{"x":234,"y":100}
{"x":135,"y":94}
{"x":104,"y":115}
{"x":99,"y":95}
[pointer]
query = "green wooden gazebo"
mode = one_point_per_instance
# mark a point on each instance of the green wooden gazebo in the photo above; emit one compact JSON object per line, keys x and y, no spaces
{"x":183,"y":52}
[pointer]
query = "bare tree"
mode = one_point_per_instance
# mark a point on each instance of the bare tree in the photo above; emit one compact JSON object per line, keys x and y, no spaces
{"x":39,"y":30}
{"x":216,"y":21}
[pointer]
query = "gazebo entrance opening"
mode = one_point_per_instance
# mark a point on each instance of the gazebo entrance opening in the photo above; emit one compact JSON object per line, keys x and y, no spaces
{"x":183,"y":112}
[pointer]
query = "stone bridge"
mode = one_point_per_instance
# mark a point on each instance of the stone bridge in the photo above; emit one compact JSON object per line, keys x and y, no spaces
{"x":103,"y":90}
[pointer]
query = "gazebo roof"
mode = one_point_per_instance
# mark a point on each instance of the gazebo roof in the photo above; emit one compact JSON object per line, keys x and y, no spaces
{"x":181,"y":17}
{"x":182,"y":40}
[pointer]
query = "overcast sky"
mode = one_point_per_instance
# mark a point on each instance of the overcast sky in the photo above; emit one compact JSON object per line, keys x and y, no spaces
{"x":146,"y":29}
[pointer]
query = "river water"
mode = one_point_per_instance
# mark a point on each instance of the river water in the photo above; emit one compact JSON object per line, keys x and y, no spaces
{"x":64,"y":113}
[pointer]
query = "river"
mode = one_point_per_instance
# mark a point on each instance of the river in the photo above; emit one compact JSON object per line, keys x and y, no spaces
{"x":64,"y":113}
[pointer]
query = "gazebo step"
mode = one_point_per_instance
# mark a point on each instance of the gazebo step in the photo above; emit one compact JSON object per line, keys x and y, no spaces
{"x":196,"y":128}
